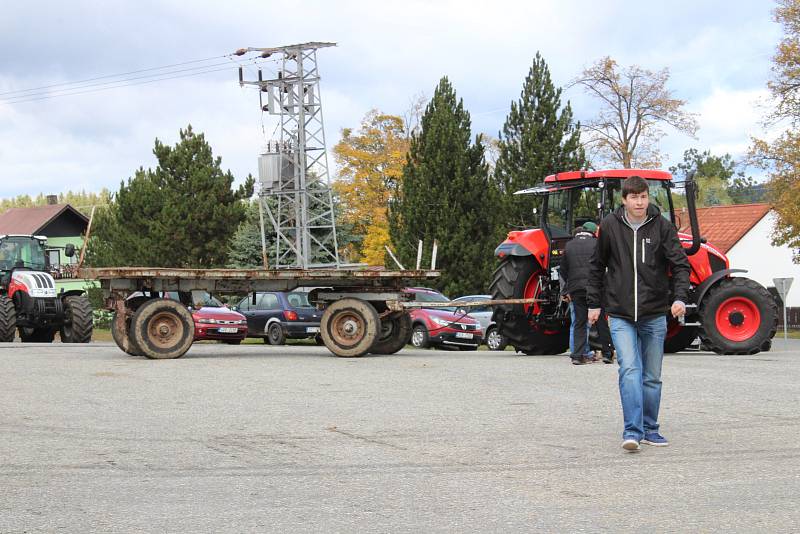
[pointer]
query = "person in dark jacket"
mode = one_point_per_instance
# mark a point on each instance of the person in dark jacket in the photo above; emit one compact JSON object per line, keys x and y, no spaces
{"x":629,"y":276}
{"x":574,"y":273}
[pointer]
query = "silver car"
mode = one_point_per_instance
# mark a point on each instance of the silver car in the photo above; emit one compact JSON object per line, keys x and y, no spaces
{"x":483,"y":314}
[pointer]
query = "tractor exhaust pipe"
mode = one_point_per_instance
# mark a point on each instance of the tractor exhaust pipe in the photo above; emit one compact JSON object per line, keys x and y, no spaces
{"x":691,"y":194}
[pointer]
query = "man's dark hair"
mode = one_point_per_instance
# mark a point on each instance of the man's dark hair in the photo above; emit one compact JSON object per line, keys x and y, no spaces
{"x":635,"y":185}
{"x":578,"y":230}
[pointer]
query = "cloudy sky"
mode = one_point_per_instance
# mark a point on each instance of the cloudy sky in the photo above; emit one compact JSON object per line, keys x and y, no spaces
{"x":718,"y":53}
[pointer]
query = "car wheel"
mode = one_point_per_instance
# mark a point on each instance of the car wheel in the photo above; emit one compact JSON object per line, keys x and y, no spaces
{"x":419,"y":337}
{"x":275,"y":335}
{"x":495,"y":340}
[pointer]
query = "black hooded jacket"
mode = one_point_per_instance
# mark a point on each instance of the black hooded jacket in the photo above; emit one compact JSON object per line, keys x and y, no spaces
{"x":629,"y":274}
{"x":575,"y":265}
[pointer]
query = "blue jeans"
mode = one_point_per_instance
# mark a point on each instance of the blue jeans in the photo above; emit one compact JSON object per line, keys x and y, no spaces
{"x":572,"y":332}
{"x":640,"y":350}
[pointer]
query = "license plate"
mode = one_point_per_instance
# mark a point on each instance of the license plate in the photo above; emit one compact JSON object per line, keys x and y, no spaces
{"x":463,"y":335}
{"x":312,"y":329}
{"x":227,"y":330}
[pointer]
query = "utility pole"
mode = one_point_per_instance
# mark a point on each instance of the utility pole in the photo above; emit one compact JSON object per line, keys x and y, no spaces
{"x":293,"y":170}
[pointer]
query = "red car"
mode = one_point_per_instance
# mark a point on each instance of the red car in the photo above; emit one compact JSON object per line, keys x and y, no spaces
{"x":214,"y":321}
{"x":442,"y":326}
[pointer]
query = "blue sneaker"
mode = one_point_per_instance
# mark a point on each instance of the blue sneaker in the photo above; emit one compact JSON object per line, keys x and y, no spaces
{"x":655,"y":439}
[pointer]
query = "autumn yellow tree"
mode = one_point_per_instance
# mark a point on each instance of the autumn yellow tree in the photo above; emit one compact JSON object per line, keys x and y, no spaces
{"x":781,"y":157}
{"x":371,"y":163}
{"x":635,"y":104}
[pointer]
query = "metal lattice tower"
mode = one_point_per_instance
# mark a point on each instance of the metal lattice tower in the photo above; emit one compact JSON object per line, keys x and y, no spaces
{"x":293,"y":171}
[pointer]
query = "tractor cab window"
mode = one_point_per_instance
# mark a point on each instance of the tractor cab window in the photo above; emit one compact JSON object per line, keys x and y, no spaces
{"x":659,"y":196}
{"x":571,"y":207}
{"x":22,"y":252}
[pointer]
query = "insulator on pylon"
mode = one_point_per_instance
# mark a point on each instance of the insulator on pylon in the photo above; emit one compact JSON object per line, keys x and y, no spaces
{"x":260,"y":77}
{"x":265,"y":108}
{"x":240,"y":52}
{"x":266,"y":54}
{"x":241,"y":76}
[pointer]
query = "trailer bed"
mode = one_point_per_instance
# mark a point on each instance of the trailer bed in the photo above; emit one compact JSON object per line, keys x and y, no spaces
{"x":129,"y":279}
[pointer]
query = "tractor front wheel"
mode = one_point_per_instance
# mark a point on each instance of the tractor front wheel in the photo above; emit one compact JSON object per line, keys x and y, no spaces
{"x":77,"y":327}
{"x":739,"y":316}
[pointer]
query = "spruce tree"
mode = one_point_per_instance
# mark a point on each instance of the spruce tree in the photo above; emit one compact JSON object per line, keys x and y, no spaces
{"x":181,"y":214}
{"x":446,"y":195}
{"x":537,"y":140}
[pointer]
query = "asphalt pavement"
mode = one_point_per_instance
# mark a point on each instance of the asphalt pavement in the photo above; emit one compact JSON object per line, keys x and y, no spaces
{"x":255,"y":438}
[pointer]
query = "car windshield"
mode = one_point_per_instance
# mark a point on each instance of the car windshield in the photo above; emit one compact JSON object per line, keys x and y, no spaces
{"x":22,"y":252}
{"x":432,"y":296}
{"x":298,"y":300}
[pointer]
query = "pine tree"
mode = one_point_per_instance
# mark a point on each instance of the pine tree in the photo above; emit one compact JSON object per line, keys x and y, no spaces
{"x":181,"y":214}
{"x":537,"y":140}
{"x":446,"y":195}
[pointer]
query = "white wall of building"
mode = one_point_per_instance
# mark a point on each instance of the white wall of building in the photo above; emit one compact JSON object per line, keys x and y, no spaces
{"x":764,"y":262}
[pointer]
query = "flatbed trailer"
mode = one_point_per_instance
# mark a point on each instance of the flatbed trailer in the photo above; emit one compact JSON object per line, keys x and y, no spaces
{"x":365,"y":311}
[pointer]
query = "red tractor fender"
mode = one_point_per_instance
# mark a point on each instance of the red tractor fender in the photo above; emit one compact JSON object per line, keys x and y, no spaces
{"x":526,"y":243}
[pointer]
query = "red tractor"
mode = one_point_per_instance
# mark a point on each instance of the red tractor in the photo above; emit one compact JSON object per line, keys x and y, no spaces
{"x":28,"y":298}
{"x":731,"y":315}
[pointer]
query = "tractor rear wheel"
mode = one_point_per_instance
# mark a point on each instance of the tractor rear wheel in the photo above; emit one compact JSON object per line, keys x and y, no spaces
{"x":8,"y":320}
{"x":517,"y":277}
{"x":739,"y":316}
{"x":395,"y":333}
{"x":77,"y":327}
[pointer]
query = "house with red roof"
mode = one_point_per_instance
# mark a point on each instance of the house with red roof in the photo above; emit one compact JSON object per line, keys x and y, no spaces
{"x":744,"y":233}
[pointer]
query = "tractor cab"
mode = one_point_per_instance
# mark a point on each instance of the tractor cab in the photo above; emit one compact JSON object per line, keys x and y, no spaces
{"x":571,"y":199}
{"x":22,"y":253}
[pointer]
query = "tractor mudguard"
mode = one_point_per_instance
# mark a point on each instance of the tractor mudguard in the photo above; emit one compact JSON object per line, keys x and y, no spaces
{"x":71,"y":293}
{"x":511,"y":249}
{"x":525,"y":243}
{"x":701,"y":290}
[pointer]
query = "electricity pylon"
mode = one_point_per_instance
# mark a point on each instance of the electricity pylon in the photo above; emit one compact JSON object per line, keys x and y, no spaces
{"x":293,"y":171}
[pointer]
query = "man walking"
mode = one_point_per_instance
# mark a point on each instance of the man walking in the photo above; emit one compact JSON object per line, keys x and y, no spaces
{"x":629,"y":277}
{"x":574,"y":273}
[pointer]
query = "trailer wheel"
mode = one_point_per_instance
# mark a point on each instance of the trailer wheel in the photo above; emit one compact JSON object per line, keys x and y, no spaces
{"x":8,"y":320}
{"x":739,"y":316}
{"x":77,"y":326}
{"x":518,"y":277}
{"x":123,"y":338}
{"x":163,"y":329}
{"x":394,"y":335}
{"x":349,"y":327}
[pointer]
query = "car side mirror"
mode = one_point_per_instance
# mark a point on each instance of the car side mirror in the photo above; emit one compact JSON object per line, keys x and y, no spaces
{"x":461,"y":311}
{"x":69,"y":250}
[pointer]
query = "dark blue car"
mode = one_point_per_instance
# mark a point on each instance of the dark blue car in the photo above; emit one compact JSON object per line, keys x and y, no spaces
{"x":276,"y":316}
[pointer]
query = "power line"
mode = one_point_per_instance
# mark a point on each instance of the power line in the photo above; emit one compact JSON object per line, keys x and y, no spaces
{"x":47,"y":97}
{"x":123,"y":82}
{"x":115,"y":75}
